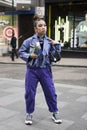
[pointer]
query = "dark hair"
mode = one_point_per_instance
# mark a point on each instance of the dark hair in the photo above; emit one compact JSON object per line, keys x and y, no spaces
{"x":37,"y":18}
{"x":85,"y":12}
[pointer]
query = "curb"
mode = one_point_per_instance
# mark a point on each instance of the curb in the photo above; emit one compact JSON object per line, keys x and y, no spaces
{"x":75,"y":66}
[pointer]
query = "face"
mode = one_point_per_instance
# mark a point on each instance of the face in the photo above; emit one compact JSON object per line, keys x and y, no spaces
{"x":41,"y":28}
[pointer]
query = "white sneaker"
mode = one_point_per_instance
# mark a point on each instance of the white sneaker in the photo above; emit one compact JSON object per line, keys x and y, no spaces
{"x":28,"y":120}
{"x":56,"y":118}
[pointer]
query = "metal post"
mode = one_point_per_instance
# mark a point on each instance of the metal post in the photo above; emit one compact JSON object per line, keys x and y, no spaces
{"x":73,"y":29}
{"x":12,"y":12}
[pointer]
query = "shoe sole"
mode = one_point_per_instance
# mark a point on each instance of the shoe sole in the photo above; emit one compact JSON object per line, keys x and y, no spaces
{"x":57,"y":121}
{"x":28,"y":122}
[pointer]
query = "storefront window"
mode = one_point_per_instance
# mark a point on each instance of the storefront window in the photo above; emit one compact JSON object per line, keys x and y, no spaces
{"x":64,"y":21}
{"x":6,"y":32}
{"x":66,"y":30}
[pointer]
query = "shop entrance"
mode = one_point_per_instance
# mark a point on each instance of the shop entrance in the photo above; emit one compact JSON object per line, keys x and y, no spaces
{"x":25,"y":25}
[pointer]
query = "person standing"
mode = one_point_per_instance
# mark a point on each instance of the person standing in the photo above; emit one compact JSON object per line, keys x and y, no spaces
{"x":35,"y":51}
{"x":13,"y":45}
{"x":81,"y":30}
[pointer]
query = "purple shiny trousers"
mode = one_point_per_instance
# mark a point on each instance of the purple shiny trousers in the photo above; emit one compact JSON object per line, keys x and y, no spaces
{"x":44,"y":76}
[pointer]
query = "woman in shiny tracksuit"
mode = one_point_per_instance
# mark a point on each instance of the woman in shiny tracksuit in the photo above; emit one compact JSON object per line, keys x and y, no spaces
{"x":38,"y":70}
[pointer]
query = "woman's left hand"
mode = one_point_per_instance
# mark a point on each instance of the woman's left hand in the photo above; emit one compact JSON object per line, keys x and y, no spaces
{"x":54,"y":42}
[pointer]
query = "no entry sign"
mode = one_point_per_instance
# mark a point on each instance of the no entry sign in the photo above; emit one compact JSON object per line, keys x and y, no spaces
{"x":7,"y":32}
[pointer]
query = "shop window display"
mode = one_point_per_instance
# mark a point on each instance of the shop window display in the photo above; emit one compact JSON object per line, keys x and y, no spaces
{"x":71,"y":31}
{"x":6,"y":32}
{"x":64,"y":20}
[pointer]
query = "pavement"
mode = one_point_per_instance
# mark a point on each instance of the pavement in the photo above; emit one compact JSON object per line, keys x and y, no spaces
{"x":72,"y":102}
{"x":65,"y":62}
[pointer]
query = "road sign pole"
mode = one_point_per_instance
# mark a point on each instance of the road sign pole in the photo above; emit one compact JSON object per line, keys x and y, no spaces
{"x":12,"y":14}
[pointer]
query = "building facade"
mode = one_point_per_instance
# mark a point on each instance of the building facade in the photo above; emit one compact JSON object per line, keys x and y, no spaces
{"x":62,"y":18}
{"x":17,"y":15}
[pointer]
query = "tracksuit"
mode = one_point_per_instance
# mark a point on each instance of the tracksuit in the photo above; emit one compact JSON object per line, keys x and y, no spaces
{"x":38,"y":70}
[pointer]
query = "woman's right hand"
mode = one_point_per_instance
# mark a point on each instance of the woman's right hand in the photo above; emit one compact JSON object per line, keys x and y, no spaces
{"x":33,"y":56}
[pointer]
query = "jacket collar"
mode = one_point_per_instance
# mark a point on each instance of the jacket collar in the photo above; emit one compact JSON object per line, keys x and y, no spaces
{"x":35,"y":36}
